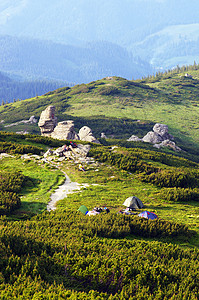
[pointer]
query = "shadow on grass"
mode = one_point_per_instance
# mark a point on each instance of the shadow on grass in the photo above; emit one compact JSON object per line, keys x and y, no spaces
{"x":27,"y":210}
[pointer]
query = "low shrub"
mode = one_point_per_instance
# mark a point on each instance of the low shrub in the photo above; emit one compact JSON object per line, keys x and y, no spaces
{"x":180,"y":194}
{"x":10,"y":185}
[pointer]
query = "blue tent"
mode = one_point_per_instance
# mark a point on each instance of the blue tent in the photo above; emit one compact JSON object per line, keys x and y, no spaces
{"x":148,"y":215}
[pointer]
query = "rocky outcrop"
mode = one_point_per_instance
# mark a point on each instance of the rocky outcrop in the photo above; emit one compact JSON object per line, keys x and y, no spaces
{"x":65,"y":131}
{"x":47,"y":121}
{"x":85,"y":134}
{"x":168,"y":143}
{"x":160,"y":137}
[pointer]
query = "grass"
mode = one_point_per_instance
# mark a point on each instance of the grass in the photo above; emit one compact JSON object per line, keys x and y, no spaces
{"x":41,"y":183}
{"x":114,"y":186}
{"x":172,"y":101}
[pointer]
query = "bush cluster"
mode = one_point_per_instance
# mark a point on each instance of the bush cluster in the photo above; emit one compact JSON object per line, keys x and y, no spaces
{"x":134,"y":161}
{"x":10,"y":185}
{"x":180,"y":194}
{"x":118,"y":226}
{"x":52,"y":256}
{"x":171,"y":178}
{"x":10,"y":147}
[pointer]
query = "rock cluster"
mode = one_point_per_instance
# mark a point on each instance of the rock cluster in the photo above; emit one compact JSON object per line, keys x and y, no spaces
{"x":160,"y":137}
{"x":63,"y":130}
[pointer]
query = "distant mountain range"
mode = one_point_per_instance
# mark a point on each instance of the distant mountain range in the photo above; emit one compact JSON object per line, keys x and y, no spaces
{"x":87,"y":40}
{"x":35,"y":59}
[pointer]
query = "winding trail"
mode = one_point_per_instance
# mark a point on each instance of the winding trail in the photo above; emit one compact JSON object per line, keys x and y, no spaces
{"x":63,"y":190}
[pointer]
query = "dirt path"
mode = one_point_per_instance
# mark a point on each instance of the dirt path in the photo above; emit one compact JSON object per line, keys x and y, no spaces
{"x":62,"y":191}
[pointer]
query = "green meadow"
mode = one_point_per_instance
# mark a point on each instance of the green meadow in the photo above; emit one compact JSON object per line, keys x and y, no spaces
{"x":64,"y":254}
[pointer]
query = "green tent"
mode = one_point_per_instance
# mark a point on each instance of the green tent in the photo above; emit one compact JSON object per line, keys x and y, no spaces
{"x":83,"y":209}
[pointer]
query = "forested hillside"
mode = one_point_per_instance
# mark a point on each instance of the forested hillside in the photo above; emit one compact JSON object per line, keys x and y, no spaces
{"x":31,"y":59}
{"x":14,"y":90}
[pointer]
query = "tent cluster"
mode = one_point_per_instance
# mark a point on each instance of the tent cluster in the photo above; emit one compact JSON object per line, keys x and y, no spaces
{"x":132,"y":203}
{"x":95,"y":211}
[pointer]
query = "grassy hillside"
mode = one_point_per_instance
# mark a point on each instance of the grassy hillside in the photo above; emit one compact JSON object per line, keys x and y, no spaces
{"x":120,"y":108}
{"x":65,"y":254}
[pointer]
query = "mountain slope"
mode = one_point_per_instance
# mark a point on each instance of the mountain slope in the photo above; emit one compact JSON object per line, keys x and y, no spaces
{"x":171,"y":99}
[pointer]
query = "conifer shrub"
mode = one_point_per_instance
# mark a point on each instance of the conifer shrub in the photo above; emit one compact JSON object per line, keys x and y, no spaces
{"x":171,"y":178}
{"x":13,"y":148}
{"x":180,"y":194}
{"x":107,"y":90}
{"x":10,"y":186}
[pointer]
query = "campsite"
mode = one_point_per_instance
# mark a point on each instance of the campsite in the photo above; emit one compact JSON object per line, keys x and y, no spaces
{"x":116,"y":253}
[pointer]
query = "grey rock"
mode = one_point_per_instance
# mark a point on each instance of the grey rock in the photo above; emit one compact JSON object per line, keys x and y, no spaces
{"x":32,"y":120}
{"x":162,"y":130}
{"x":103,"y":136}
{"x":134,"y":138}
{"x":82,"y":150}
{"x":152,"y":137}
{"x":85,"y":134}
{"x":168,"y":143}
{"x":47,"y":121}
{"x":65,"y":131}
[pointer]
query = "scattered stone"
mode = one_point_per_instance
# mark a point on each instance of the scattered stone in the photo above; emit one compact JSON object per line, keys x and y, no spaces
{"x":2,"y":155}
{"x":134,"y":138}
{"x":48,"y":152}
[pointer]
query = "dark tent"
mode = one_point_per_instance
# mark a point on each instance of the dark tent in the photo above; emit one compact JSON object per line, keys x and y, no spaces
{"x":133,"y":203}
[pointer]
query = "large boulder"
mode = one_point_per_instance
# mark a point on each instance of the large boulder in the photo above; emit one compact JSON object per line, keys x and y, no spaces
{"x":152,"y":137}
{"x":65,"y":131}
{"x":85,"y":134}
{"x":162,"y":130}
{"x":47,"y":121}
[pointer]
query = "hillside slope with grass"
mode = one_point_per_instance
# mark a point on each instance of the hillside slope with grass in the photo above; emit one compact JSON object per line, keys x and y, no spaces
{"x":65,"y":254}
{"x":120,"y":108}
